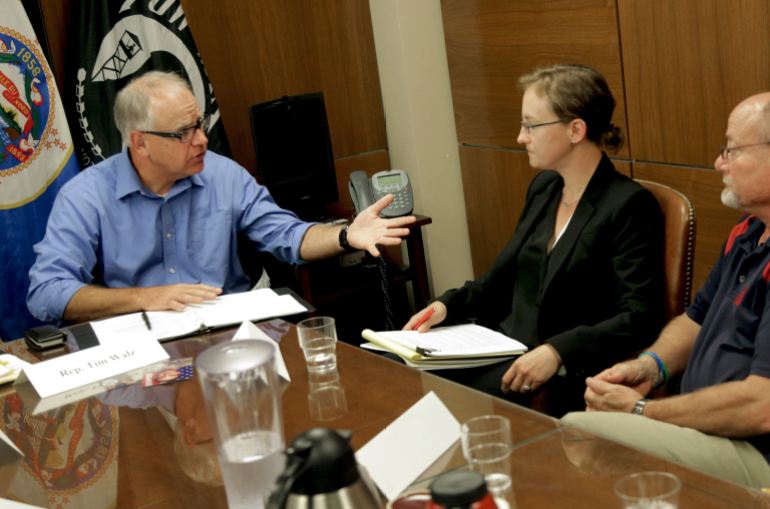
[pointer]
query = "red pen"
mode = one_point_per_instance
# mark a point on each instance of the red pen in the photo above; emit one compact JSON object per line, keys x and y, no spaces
{"x":423,"y":318}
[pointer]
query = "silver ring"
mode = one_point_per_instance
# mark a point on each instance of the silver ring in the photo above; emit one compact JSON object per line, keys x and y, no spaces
{"x":525,"y":388}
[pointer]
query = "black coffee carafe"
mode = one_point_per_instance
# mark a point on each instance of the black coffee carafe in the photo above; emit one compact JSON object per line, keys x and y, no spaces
{"x":321,"y":472}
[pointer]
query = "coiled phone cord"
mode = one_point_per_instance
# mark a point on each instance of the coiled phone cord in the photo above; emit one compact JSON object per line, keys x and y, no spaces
{"x":385,"y":287}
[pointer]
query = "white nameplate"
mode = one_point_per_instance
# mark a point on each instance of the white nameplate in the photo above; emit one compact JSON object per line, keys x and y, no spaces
{"x":248,"y":330}
{"x":397,"y":456}
{"x":85,"y":367}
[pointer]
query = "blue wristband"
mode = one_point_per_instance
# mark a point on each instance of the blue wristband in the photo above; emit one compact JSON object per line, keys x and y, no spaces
{"x":662,"y":368}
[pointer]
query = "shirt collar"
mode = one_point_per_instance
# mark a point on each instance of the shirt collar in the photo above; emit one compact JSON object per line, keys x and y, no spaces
{"x":748,"y":241}
{"x":129,"y":182}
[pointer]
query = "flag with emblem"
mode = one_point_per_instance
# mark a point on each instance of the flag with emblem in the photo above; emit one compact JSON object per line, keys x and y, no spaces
{"x":117,"y":41}
{"x":36,"y":158}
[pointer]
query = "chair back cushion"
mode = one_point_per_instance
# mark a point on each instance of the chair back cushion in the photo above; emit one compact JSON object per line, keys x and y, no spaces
{"x":679,"y":218}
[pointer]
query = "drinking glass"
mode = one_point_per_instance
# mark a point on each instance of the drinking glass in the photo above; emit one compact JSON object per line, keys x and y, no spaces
{"x":649,"y":490}
{"x":241,"y":391}
{"x":486,"y":443}
{"x":318,"y":340}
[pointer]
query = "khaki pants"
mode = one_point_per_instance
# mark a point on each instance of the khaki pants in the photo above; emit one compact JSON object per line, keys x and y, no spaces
{"x":733,"y":460}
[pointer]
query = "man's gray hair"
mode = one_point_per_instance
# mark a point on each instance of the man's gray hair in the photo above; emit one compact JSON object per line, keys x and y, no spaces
{"x":134,"y":103}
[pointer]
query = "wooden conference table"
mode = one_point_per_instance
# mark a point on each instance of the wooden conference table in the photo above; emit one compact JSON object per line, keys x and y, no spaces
{"x":119,"y":449}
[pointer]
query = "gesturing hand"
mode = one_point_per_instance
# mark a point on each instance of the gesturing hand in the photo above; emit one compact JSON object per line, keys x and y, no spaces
{"x":369,"y":229}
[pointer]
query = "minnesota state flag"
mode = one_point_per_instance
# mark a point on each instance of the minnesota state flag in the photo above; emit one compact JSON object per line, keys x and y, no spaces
{"x":36,"y":158}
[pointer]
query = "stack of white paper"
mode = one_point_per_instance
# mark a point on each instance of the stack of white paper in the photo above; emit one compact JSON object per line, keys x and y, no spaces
{"x":458,"y":346}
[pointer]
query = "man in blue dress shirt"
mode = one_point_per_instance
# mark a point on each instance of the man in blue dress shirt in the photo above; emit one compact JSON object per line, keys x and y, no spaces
{"x":155,"y":226}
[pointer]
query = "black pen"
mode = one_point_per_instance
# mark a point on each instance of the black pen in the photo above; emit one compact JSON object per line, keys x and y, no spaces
{"x":146,"y":320}
{"x":425,"y":352}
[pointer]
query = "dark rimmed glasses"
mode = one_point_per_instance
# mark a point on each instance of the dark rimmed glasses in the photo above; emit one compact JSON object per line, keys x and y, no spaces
{"x":725,"y":151}
{"x":185,"y":134}
{"x":527,"y":126}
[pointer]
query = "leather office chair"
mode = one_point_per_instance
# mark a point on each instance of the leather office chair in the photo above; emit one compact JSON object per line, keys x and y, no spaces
{"x":679,"y":218}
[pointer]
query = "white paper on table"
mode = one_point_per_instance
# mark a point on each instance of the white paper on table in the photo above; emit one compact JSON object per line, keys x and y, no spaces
{"x":254,"y":305}
{"x":223,"y":311}
{"x":409,"y":445}
{"x":11,"y":504}
{"x":248,"y":330}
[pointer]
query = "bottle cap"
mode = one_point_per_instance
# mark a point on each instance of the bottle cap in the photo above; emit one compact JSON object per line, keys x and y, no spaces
{"x":458,"y":489}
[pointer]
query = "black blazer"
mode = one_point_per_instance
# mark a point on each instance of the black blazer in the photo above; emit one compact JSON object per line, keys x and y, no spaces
{"x":603,"y":297}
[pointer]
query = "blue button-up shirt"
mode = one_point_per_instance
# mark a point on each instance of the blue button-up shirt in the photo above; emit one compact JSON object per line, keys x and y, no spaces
{"x":106,"y":228}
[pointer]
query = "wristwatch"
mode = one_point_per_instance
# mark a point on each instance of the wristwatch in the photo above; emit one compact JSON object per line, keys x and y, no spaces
{"x":639,"y":407}
{"x":343,"y":238}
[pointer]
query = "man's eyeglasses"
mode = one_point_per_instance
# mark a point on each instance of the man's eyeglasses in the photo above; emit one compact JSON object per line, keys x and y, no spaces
{"x":725,"y":151}
{"x":185,"y":134}
{"x":527,"y":126}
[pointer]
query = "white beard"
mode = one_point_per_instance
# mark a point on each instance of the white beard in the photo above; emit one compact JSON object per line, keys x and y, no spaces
{"x":730,"y":199}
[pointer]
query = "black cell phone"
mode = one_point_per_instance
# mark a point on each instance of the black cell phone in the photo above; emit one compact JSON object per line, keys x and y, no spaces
{"x":44,"y":337}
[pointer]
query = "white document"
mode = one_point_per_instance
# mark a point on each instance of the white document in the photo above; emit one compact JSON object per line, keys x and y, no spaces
{"x":78,"y":369}
{"x":409,"y":445}
{"x":453,"y":342}
{"x":248,"y":330}
{"x":197,"y":318}
{"x":238,"y":307}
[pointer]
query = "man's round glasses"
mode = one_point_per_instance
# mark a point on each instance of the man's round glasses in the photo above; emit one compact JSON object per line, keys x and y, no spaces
{"x":185,"y":134}
{"x":725,"y":151}
{"x":527,"y":126}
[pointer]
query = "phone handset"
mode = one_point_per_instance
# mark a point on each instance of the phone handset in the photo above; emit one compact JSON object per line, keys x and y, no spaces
{"x":360,"y":190}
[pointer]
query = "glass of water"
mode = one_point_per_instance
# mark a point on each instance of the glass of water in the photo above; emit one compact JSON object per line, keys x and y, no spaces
{"x":649,"y":490}
{"x":486,"y":442}
{"x":318,"y":340}
{"x":242,"y":397}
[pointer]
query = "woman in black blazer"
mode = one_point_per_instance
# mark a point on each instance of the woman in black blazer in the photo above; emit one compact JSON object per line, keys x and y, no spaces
{"x":581,"y":281}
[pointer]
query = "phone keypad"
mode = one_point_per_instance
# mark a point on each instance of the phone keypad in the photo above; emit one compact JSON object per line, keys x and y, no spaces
{"x":401,"y":199}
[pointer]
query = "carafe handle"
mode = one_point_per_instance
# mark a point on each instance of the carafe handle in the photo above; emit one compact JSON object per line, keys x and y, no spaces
{"x":296,"y":462}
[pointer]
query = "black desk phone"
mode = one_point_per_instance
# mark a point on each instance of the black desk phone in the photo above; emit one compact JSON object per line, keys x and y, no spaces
{"x":364,"y":191}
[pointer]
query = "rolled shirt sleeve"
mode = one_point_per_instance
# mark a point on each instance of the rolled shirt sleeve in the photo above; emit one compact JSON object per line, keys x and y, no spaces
{"x":66,"y":255}
{"x":271,"y":228}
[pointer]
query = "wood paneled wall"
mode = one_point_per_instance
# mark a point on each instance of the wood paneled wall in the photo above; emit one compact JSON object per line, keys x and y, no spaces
{"x":490,"y":43}
{"x":686,"y":64}
{"x":258,"y":50}
{"x":676,"y":69}
{"x":255,"y":51}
